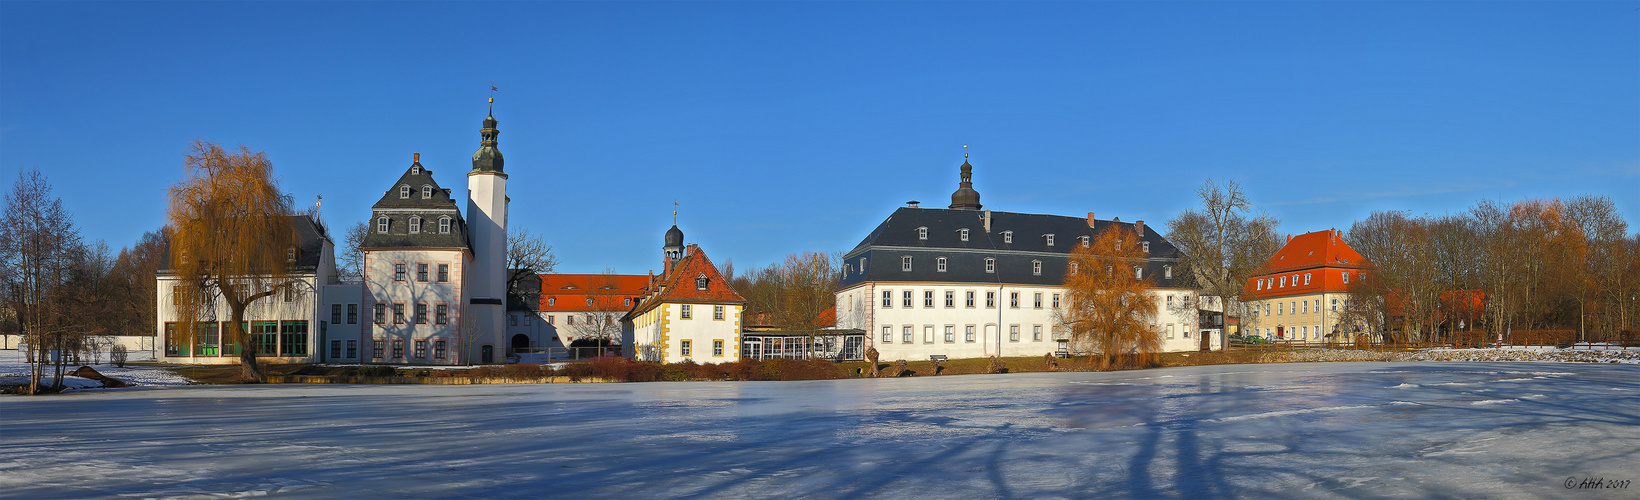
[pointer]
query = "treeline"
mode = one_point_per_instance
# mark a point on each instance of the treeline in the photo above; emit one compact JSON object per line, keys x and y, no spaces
{"x":1532,"y":265}
{"x":59,"y":292}
{"x":791,"y":294}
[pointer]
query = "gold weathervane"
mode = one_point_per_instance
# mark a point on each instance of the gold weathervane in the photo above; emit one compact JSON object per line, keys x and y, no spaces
{"x":964,"y":151}
{"x":492,"y":91}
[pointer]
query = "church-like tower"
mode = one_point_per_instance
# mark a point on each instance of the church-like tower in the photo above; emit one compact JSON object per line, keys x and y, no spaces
{"x":487,"y":227}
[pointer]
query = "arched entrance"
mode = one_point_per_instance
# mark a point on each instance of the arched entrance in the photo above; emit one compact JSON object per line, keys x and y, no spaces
{"x":520,"y":343}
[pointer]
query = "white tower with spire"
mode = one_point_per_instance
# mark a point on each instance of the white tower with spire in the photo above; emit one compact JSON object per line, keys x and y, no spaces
{"x":486,"y":302}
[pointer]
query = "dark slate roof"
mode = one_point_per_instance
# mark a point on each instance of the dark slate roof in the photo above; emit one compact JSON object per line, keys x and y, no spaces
{"x":897,"y":237}
{"x":310,"y":240}
{"x":399,"y":211}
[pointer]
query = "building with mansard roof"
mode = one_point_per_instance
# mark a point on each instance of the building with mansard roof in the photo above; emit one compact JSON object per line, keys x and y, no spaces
{"x":966,"y":282}
{"x":688,"y":313}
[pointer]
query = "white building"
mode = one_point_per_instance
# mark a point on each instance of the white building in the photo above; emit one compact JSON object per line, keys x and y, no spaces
{"x":690,"y":313}
{"x":965,"y":282}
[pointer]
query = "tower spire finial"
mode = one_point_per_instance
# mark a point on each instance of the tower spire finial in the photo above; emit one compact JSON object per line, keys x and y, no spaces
{"x":492,"y":97}
{"x":674,"y":211}
{"x":964,"y":152}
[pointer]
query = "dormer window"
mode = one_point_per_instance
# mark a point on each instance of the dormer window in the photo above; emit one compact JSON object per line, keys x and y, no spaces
{"x":1036,"y":267}
{"x":1048,"y":238}
{"x":1073,"y":268}
{"x":862,"y":265}
{"x":939,"y":264}
{"x":905,"y":263}
{"x":700,"y":283}
{"x":444,"y":225}
{"x":1306,"y":278}
{"x":290,"y":255}
{"x":1138,"y":273}
{"x":1008,"y":237}
{"x":404,"y":192}
{"x":381,"y":224}
{"x":1084,"y":241}
{"x":1167,"y":272}
{"x":415,"y":170}
{"x":922,"y":233}
{"x":415,"y":225}
{"x":1346,"y":277}
{"x":552,"y":301}
{"x":990,"y":265}
{"x":589,"y":301}
{"x":426,"y":192}
{"x":962,"y":234}
{"x":1260,"y":285}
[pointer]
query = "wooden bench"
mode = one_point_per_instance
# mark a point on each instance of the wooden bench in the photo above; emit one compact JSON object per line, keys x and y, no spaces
{"x":937,"y":357}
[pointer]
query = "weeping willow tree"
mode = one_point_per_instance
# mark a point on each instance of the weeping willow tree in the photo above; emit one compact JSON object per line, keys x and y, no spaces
{"x":1108,"y":301}
{"x":232,"y":243}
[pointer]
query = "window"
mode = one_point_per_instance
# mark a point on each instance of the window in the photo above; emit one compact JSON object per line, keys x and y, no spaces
{"x":398,"y":271}
{"x":1008,"y":237}
{"x":700,"y":283}
{"x":717,"y":348}
{"x":415,"y":170}
{"x":990,"y":265}
{"x":888,"y":299}
{"x":1084,"y":241}
{"x":922,"y":234}
{"x":1306,"y":307}
{"x":290,"y":293}
{"x":888,"y":335}
{"x":1281,"y":308}
{"x":962,"y":234}
{"x":1138,"y":273}
{"x":443,"y":273}
{"x":512,"y":320}
{"x":1036,"y":333}
{"x":862,"y":265}
{"x":687,"y":346}
{"x":906,"y":334}
{"x":717,"y":312}
{"x":1038,"y":300}
{"x":550,"y":319}
{"x":352,"y":349}
{"x":1145,"y":245}
{"x":293,"y":338}
{"x":569,"y":319}
{"x":426,"y":192}
{"x":398,"y":348}
{"x":990,"y":300}
{"x":1013,"y":300}
{"x":906,"y":298}
{"x":290,"y":255}
{"x":950,"y":334}
{"x":1013,"y":333}
{"x":905,"y":263}
{"x":1346,"y":277}
{"x":404,"y":192}
{"x":939,"y":264}
{"x":438,"y":349}
{"x":415,"y":225}
{"x":444,"y":225}
{"x":1056,"y":334}
{"x":968,"y":299}
{"x":352,"y":314}
{"x":381,"y":314}
{"x":421,"y":272}
{"x":687,"y":313}
{"x":552,"y":301}
{"x":629,"y":302}
{"x":968,"y":333}
{"x":1260,"y":285}
{"x":1335,"y":305}
{"x":1056,"y":301}
{"x":376,"y":349}
{"x":928,"y":298}
{"x":1284,"y":281}
{"x":928,"y":334}
{"x":335,"y":315}
{"x":589,"y":301}
{"x":1167,"y":272}
{"x":1036,"y":267}
{"x":1306,"y":278}
{"x":1170,"y":331}
{"x":950,"y":298}
{"x":441,"y":314}
{"x":1073,"y":268}
{"x":1294,"y":305}
{"x":398,"y":313}
{"x":421,"y":349}
{"x":1049,"y":238}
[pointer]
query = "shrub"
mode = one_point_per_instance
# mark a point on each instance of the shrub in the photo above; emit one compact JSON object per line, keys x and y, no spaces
{"x":117,"y":355}
{"x":524,"y":371}
{"x":377,"y":371}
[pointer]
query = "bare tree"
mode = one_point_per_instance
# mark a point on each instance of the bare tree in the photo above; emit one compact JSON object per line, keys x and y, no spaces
{"x":350,"y":265}
{"x":133,"y":276}
{"x":602,"y":321}
{"x":1108,"y":304}
{"x":232,"y":240}
{"x":1223,"y":242}
{"x":527,"y":255}
{"x":39,"y":247}
{"x":791,"y":294}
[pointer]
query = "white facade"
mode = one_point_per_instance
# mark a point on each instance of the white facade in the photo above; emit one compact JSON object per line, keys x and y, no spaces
{"x":487,"y":282}
{"x":965,"y":320}
{"x":413,"y":307}
{"x":675,"y":332}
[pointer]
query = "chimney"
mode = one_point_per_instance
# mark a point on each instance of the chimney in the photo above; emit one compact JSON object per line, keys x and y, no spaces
{"x":912,"y":203}
{"x":1090,"y":219}
{"x":1139,"y":226}
{"x":417,"y":158}
{"x":987,"y":221}
{"x":1289,"y":238}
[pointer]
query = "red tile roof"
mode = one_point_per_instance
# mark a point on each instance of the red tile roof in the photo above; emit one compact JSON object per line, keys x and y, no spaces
{"x":568,"y":292}
{"x":1322,"y":254}
{"x":680,"y":284}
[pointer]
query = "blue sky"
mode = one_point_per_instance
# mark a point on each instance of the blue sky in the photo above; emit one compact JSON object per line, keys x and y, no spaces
{"x":788,"y":127}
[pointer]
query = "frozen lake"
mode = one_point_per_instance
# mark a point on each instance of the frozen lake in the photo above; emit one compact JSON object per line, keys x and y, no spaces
{"x":1509,"y":430}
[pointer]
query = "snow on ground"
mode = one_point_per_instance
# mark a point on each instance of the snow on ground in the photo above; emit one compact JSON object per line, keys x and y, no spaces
{"x":1458,"y":430}
{"x":14,"y":369}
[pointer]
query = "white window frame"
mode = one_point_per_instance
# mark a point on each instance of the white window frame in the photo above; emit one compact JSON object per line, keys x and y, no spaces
{"x":415,"y":225}
{"x":426,"y":191}
{"x":1008,"y":237}
{"x":404,"y":192}
{"x":381,"y":224}
{"x":905,"y":263}
{"x":939,"y":264}
{"x":962,"y":234}
{"x":922,"y":233}
{"x":1036,"y":267}
{"x":444,"y":224}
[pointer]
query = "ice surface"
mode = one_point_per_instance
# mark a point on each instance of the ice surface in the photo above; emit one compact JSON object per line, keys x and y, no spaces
{"x":1259,"y":431}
